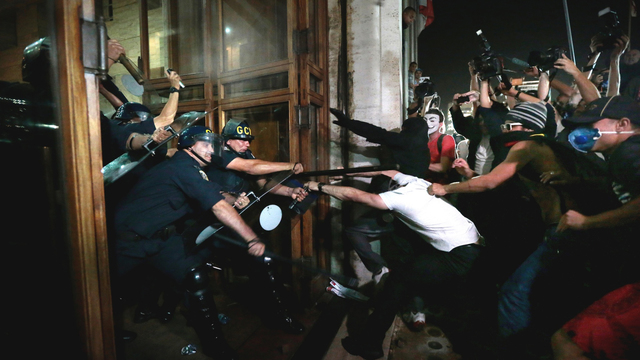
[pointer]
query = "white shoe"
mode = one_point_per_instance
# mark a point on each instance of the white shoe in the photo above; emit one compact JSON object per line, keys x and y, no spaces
{"x":377,"y":277}
{"x":415,"y":320}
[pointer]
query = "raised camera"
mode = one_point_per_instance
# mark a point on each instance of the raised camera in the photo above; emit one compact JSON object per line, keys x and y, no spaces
{"x":545,"y":60}
{"x":609,"y":29}
{"x":487,"y":64}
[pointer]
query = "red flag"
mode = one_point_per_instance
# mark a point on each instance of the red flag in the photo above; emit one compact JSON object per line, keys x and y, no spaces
{"x":425,"y":8}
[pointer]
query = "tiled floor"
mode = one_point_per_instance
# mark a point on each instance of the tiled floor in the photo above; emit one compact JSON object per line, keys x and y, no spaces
{"x":326,"y":324}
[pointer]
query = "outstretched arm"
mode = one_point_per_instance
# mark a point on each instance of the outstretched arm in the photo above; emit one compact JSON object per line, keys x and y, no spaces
{"x":518,"y":156}
{"x":171,"y":107}
{"x":230,"y":217}
{"x":614,"y":68}
{"x":346,"y":193}
{"x":587,"y":89}
{"x":262,"y":167}
{"x":626,"y":214}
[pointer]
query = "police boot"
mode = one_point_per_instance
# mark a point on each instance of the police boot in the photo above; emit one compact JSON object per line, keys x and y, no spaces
{"x":203,"y":316}
{"x":170,"y":301}
{"x":276,"y":312}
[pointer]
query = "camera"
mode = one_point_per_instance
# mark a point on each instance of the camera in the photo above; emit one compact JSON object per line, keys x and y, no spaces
{"x":545,"y":60}
{"x":487,"y":64}
{"x":609,"y":29}
{"x":426,"y":88}
{"x":463,"y":99}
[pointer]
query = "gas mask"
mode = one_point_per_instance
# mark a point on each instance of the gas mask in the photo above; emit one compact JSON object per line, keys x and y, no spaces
{"x":583,"y":139}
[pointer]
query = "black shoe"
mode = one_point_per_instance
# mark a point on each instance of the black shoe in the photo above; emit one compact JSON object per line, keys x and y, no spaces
{"x":286,"y":323}
{"x":364,"y":350}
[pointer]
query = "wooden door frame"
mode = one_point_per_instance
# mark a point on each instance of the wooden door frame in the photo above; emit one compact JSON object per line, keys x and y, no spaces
{"x":84,"y":184}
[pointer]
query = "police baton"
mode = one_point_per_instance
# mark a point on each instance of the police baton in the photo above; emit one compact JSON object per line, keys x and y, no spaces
{"x":350,"y":282}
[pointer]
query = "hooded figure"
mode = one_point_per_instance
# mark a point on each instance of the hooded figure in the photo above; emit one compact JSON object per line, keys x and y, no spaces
{"x":408,"y":148}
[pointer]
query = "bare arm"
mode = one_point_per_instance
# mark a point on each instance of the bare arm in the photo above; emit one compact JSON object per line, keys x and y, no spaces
{"x":136,"y":141}
{"x":587,"y":89}
{"x":443,"y":166}
{"x":625,"y":214}
{"x":543,"y":86}
{"x":171,"y":107}
{"x":614,"y":67}
{"x":113,"y":100}
{"x":518,"y":156}
{"x":230,"y":217}
{"x":562,"y":87}
{"x":485,"y":100}
{"x":346,"y":193}
{"x":261,"y":167}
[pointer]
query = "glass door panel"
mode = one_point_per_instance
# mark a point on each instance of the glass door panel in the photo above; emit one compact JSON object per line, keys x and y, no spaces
{"x":176,"y":36}
{"x":270,"y":125}
{"x":254,"y":32}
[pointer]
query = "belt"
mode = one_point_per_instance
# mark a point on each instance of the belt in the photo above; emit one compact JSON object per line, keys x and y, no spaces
{"x":163,"y":234}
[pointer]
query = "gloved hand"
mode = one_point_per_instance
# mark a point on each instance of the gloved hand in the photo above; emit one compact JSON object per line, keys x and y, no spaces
{"x":343,"y":119}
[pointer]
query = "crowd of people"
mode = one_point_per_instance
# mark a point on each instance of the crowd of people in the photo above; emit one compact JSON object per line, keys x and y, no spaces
{"x":544,"y":206}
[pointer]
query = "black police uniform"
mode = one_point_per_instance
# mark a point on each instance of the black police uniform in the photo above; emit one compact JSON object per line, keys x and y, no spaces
{"x":146,"y":218}
{"x":232,"y":181}
{"x":148,"y":223}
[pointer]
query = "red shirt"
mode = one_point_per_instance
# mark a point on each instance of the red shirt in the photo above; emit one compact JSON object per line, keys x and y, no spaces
{"x":448,"y":149}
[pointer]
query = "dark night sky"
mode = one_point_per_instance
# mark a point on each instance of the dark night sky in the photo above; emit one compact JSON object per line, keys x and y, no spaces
{"x":513,"y":28}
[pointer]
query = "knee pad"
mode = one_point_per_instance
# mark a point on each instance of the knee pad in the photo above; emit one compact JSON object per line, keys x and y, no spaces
{"x":197,"y":280}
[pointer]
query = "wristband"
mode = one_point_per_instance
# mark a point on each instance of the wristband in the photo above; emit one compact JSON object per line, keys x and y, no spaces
{"x":173,"y":90}
{"x":518,"y":94}
{"x":320,"y":185}
{"x":252,"y":242}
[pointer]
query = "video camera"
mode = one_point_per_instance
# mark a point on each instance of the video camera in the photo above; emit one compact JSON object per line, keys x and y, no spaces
{"x":610,"y":29}
{"x":487,"y":64}
{"x":425,"y":88}
{"x":545,"y":60}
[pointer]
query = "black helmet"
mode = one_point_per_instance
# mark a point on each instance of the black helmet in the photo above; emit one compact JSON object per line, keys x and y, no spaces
{"x":236,"y":129}
{"x":195,"y":133}
{"x":130,"y":110}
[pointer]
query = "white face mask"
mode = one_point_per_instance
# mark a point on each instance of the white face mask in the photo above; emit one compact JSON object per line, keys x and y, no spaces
{"x":433,"y":122}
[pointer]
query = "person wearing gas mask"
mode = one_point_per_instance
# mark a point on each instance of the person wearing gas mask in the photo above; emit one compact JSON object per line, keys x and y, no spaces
{"x":149,"y":221}
{"x":540,"y":160}
{"x":611,"y":126}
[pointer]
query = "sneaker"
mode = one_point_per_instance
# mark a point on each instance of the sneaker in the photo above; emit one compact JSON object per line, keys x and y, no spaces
{"x":415,"y":320}
{"x":377,"y":277}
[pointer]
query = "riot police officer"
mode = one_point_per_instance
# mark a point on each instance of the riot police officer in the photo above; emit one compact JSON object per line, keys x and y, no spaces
{"x":240,"y":170}
{"x":149,"y":220}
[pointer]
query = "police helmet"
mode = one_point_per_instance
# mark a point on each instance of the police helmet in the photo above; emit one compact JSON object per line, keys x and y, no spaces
{"x":130,"y":110}
{"x":236,"y":129}
{"x":192,"y":134}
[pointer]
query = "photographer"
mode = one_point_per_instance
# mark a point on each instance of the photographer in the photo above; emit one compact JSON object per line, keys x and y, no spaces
{"x":620,"y":46}
{"x":588,"y":91}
